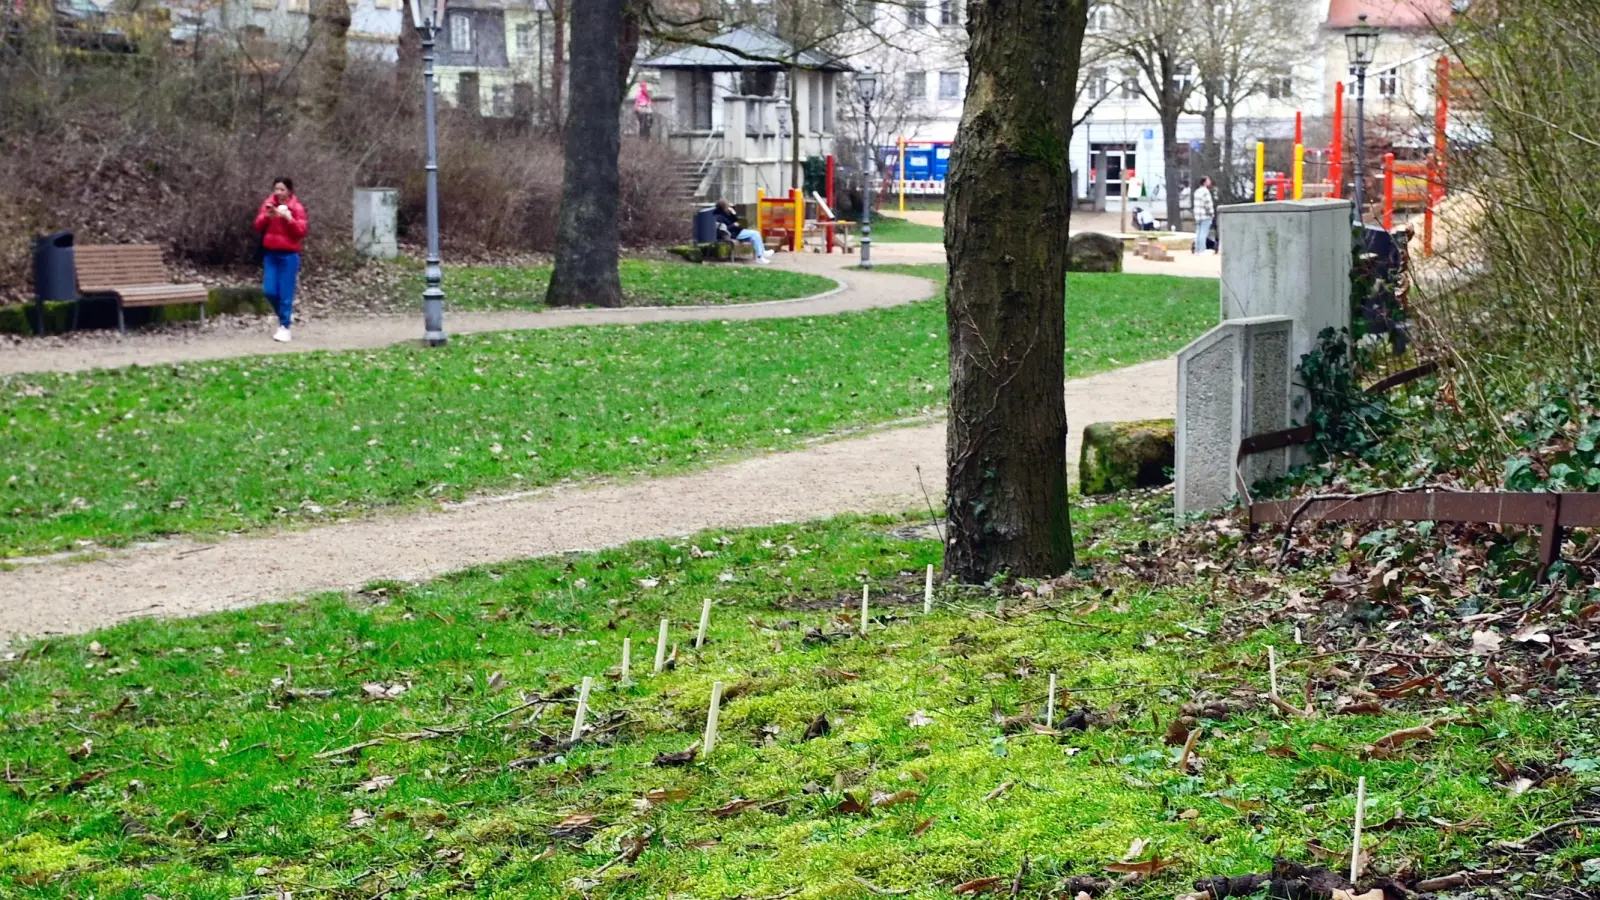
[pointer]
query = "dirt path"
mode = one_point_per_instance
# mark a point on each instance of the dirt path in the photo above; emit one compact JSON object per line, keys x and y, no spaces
{"x":876,"y":472}
{"x":856,"y":291}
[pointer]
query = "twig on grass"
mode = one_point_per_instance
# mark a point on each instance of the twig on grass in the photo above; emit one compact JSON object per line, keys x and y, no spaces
{"x":880,"y":891}
{"x":1527,"y":842}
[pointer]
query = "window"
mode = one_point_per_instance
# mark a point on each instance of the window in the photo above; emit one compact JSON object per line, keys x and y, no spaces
{"x":949,"y":85}
{"x":460,"y":34}
{"x":948,"y":14}
{"x":500,"y":97}
{"x":814,"y":103}
{"x":1098,"y":84}
{"x":1130,"y":85}
{"x":1100,"y":19}
{"x":525,"y":37}
{"x":1183,"y":77}
{"x":829,"y":90}
{"x":1389,"y":84}
{"x":1350,"y":82}
{"x":693,"y":106}
{"x":916,"y":12}
{"x":916,"y":85}
{"x":1280,"y":85}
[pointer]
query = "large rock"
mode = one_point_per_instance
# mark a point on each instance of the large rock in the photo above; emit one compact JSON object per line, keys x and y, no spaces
{"x":1117,"y":456}
{"x":1094,"y":252}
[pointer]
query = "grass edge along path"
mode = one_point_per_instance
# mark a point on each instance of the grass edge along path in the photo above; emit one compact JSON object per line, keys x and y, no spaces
{"x":106,"y":457}
{"x":412,"y":740}
{"x":645,"y":282}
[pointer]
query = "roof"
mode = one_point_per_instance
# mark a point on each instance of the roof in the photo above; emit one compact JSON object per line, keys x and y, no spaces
{"x":1409,"y":15}
{"x":743,"y":48}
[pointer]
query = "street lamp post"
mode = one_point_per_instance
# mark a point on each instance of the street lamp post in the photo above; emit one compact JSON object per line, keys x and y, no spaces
{"x":427,"y":22}
{"x":866,"y":90}
{"x":1361,"y":44}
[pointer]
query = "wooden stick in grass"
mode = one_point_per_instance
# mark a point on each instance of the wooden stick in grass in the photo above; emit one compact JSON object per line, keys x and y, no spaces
{"x":927,"y":592}
{"x":1272,"y":669}
{"x":710,"y":740}
{"x":661,"y":649}
{"x":705,"y":620}
{"x":866,"y":592}
{"x":583,"y":708}
{"x":627,"y":658}
{"x":1355,"y":847}
{"x":1050,"y":704}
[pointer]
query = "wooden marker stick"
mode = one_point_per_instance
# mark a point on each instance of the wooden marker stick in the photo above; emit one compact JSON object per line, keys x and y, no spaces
{"x":1272,"y":669}
{"x":866,"y":592}
{"x":627,"y":658}
{"x":927,"y":592}
{"x":1361,"y":810}
{"x":710,"y":739}
{"x":583,"y":708}
{"x":705,"y":621}
{"x":1050,"y":704}
{"x":661,"y":649}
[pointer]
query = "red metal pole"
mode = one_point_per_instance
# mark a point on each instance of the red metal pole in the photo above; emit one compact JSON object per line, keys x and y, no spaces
{"x":828,"y":192}
{"x":1388,"y":192}
{"x":1336,"y":163}
{"x":1299,"y":128}
{"x":1441,"y":122}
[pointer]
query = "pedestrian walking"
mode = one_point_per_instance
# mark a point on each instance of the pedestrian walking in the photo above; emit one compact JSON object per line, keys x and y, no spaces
{"x":281,"y":222}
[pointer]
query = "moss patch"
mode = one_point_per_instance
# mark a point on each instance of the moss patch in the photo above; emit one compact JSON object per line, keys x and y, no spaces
{"x":1120,"y":456}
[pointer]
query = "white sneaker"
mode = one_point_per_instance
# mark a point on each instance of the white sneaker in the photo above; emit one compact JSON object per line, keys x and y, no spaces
{"x":764,"y":260}
{"x":281,"y":335}
{"x":770,"y":254}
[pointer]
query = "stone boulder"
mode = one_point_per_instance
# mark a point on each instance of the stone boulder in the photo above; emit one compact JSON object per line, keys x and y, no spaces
{"x":1117,"y":456}
{"x":1094,"y":252}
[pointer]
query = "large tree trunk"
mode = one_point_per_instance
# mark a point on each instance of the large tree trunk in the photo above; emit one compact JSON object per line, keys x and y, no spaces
{"x":1009,"y":180}
{"x":558,"y":62}
{"x":1228,"y":190}
{"x":1208,"y":152}
{"x":586,"y":231}
{"x":330,"y":48}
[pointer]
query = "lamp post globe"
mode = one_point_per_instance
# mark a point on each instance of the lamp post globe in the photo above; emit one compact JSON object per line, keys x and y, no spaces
{"x":1361,"y":46}
{"x":426,"y":18}
{"x":866,"y":91}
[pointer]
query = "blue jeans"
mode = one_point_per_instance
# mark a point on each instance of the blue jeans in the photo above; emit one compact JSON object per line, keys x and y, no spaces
{"x":754,"y":237}
{"x":1202,"y":230}
{"x":279,"y":272}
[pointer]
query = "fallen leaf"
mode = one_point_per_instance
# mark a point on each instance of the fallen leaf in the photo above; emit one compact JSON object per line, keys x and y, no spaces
{"x":496,"y":682}
{"x":1532,"y":634}
{"x":850,"y":806}
{"x":1398,"y":738}
{"x":660,"y":795}
{"x":1283,"y":751}
{"x":681,"y":758}
{"x":377,"y":783}
{"x":1342,"y":894}
{"x":1520,"y":785}
{"x":733,"y":808}
{"x":360,"y":818}
{"x":82,"y":751}
{"x":889,"y":801}
{"x":1486,"y":642}
{"x":978,"y":885}
{"x":1361,"y":708}
{"x":818,"y":728}
{"x":1238,"y":805}
{"x":1005,"y":786}
{"x":919,"y":719}
{"x":1147,"y":868}
{"x":1136,"y":849}
{"x":98,"y":649}
{"x":920,"y":827}
{"x":376,"y":691}
{"x":1189,"y":815}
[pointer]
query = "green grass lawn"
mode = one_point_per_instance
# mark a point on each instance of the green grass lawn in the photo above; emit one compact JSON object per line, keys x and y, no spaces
{"x":393,"y":743}
{"x":645,"y":282}
{"x":109,"y":456}
{"x":890,"y":229}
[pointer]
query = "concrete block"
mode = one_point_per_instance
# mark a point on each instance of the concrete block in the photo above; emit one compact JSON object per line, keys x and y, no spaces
{"x":1287,"y":258}
{"x":1233,"y":383}
{"x":377,"y":217}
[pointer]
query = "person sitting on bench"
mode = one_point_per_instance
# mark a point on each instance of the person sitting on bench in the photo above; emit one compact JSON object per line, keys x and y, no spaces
{"x":1143,"y":220}
{"x":728,"y":224}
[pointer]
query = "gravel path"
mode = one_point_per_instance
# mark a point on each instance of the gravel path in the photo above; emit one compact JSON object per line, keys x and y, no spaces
{"x":871,"y":473}
{"x":102,"y":350}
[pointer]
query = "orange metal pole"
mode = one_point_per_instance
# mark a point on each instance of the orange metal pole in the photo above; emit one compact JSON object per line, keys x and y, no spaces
{"x":1336,"y":162}
{"x":1441,"y":120}
{"x":799,"y":202}
{"x":1388,"y":192}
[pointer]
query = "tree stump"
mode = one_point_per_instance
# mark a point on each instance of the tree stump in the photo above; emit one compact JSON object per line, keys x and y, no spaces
{"x":1094,"y":252}
{"x":1117,"y":456}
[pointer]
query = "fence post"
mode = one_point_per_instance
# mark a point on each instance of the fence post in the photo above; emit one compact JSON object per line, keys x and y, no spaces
{"x":1336,"y":164}
{"x":1261,"y":171}
{"x":1299,"y":169}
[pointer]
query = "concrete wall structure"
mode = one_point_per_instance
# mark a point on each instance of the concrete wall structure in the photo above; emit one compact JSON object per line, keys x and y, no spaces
{"x":376,"y":216}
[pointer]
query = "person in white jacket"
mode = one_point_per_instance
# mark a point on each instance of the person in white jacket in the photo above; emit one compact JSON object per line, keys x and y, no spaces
{"x":1205,"y":211}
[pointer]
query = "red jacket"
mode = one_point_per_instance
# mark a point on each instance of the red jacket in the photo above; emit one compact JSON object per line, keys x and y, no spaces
{"x":278,"y":233}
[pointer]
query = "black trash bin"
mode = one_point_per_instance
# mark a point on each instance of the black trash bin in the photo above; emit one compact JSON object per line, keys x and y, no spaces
{"x":705,"y":226}
{"x":55,"y":274}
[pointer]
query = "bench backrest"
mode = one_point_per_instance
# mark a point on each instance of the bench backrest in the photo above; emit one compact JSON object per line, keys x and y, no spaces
{"x":104,"y":266}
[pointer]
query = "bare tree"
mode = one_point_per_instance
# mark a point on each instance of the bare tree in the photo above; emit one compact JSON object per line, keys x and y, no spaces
{"x":1157,"y":37}
{"x":1006,"y":441}
{"x":1243,"y":49}
{"x":329,"y":48}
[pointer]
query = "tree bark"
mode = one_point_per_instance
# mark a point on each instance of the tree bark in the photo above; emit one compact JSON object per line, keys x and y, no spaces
{"x":1006,"y":487}
{"x":1228,"y":186}
{"x":1169,"y":159}
{"x":587,"y":231}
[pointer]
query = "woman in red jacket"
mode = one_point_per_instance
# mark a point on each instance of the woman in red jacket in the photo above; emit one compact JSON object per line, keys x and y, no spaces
{"x":282,"y":223}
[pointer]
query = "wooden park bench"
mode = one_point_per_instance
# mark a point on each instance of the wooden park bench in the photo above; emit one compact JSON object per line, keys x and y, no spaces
{"x":133,"y":275}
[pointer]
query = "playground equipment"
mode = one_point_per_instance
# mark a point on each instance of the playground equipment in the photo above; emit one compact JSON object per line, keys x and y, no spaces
{"x":919,"y":167}
{"x":781,"y":220}
{"x":1407,"y":183}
